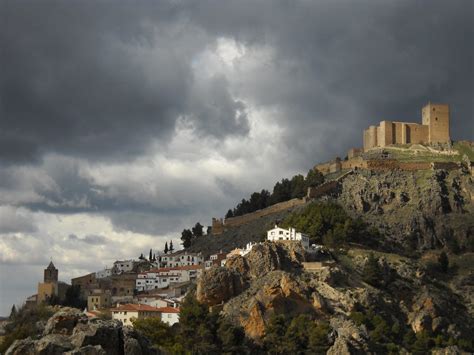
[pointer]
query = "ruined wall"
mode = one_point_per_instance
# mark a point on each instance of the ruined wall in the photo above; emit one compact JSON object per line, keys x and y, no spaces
{"x":445,"y":165}
{"x":354,"y":163}
{"x":246,"y":218}
{"x":323,"y":168}
{"x":318,"y":191}
{"x":354,"y":152}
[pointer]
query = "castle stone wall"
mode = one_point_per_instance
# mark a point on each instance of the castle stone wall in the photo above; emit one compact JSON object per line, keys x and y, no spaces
{"x":318,"y":191}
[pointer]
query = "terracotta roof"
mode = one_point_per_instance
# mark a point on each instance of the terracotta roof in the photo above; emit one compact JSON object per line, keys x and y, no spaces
{"x":132,"y":307}
{"x":168,"y":310}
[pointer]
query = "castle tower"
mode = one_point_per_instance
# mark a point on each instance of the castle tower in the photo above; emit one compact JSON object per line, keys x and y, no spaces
{"x":436,"y":117}
{"x":50,"y":273}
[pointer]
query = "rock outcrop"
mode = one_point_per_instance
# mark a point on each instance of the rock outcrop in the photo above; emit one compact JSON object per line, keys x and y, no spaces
{"x":68,"y":331}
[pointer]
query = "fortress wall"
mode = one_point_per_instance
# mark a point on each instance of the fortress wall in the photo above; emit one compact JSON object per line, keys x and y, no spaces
{"x":354,"y":152}
{"x":416,"y":133}
{"x":354,"y":163}
{"x":380,"y":132}
{"x":323,"y":168}
{"x":397,"y":132}
{"x":386,"y":133}
{"x":315,"y":192}
{"x":372,"y":136}
{"x":438,"y":123}
{"x":415,"y":166}
{"x":237,"y":221}
{"x":444,"y":165}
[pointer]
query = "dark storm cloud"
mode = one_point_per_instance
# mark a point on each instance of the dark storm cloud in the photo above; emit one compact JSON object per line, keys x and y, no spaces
{"x":350,"y":64}
{"x":99,"y":80}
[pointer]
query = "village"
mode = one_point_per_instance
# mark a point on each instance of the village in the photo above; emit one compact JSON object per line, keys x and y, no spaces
{"x":146,"y":288}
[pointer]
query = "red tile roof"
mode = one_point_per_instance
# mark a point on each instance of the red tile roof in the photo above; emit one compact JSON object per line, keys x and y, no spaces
{"x":168,"y":310}
{"x":131,"y":307}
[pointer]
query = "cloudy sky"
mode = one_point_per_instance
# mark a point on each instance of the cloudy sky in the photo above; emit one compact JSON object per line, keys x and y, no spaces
{"x":121,"y":123}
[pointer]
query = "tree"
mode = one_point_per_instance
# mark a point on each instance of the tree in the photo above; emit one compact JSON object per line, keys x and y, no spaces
{"x":13,"y":313}
{"x":232,"y":338}
{"x":197,"y":230}
{"x":166,"y":248}
{"x":274,"y":341}
{"x":314,"y":178}
{"x":371,"y":272}
{"x":186,"y":237}
{"x":159,"y":333}
{"x":171,"y":246}
{"x":229,"y":214}
{"x":443,"y":262}
{"x":141,"y":257}
{"x":73,"y":298}
{"x":150,"y":257}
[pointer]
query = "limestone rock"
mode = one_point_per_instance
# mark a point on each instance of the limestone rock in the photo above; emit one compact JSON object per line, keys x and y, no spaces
{"x":87,"y":350}
{"x":340,"y":347}
{"x":64,"y":321}
{"x":218,"y":285}
{"x":98,"y":332}
{"x":254,"y":324}
{"x":22,"y":347}
{"x":53,"y":344}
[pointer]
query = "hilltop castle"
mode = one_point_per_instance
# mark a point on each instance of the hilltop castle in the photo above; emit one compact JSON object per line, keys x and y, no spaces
{"x":434,"y":128}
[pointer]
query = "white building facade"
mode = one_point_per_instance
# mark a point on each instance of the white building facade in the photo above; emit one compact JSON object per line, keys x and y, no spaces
{"x":103,"y":273}
{"x":164,"y":277}
{"x":280,"y":234}
{"x":181,"y":259}
{"x":121,"y":266}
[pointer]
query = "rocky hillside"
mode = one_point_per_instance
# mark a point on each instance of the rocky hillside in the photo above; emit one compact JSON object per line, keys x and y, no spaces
{"x":414,"y":211}
{"x":69,"y":331}
{"x":271,"y":280}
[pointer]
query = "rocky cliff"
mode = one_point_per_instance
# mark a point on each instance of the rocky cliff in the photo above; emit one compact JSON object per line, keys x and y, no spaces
{"x":272,"y":280}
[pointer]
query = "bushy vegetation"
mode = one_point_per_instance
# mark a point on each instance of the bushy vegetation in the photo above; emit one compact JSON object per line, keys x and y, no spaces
{"x":198,"y":332}
{"x":299,"y":335}
{"x":23,"y":324}
{"x":284,"y":190}
{"x":329,"y":224}
{"x":388,"y":335}
{"x":188,"y":236}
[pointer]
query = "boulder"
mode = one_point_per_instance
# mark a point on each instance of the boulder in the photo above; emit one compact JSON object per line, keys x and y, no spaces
{"x":99,"y":332}
{"x":64,"y":321}
{"x":53,"y":344}
{"x":135,"y":344}
{"x":22,"y":347}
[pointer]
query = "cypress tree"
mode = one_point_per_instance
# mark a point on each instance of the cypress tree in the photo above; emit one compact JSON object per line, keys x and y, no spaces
{"x":171,"y":246}
{"x":166,"y":248}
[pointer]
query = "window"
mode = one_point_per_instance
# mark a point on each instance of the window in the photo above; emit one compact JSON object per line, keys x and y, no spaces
{"x":281,"y":232}
{"x":124,"y":313}
{"x":436,"y":118}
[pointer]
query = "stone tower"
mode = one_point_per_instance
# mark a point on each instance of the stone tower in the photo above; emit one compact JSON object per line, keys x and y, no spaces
{"x":50,"y":274}
{"x":436,"y":117}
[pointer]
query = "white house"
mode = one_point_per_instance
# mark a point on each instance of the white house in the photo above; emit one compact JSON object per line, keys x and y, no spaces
{"x":164,"y":277}
{"x":280,"y":234}
{"x":181,"y":259}
{"x":122,"y":266}
{"x":169,"y":315}
{"x":128,"y":312}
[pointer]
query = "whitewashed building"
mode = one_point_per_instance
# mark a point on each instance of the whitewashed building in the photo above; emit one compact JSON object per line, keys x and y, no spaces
{"x":169,"y":315}
{"x":164,"y":277}
{"x":280,"y":234}
{"x":181,"y":259}
{"x":121,"y":266}
{"x":126,"y":313}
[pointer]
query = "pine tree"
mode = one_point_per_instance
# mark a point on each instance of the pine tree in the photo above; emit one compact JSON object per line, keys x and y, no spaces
{"x":372,"y":272}
{"x":171,"y":246}
{"x":186,"y":237}
{"x":150,"y":257}
{"x":166,"y":248}
{"x":13,"y":313}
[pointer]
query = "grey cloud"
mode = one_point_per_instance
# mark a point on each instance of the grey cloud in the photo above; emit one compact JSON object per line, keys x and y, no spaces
{"x":14,"y":221}
{"x":97,"y":81}
{"x":88,"y":239}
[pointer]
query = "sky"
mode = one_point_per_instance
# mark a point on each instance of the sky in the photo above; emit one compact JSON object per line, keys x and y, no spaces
{"x":122,"y":123}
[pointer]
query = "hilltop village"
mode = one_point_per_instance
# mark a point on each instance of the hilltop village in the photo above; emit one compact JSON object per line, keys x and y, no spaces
{"x":373,"y":250}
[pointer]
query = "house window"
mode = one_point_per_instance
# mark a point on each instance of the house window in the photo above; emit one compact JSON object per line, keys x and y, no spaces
{"x":281,"y":232}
